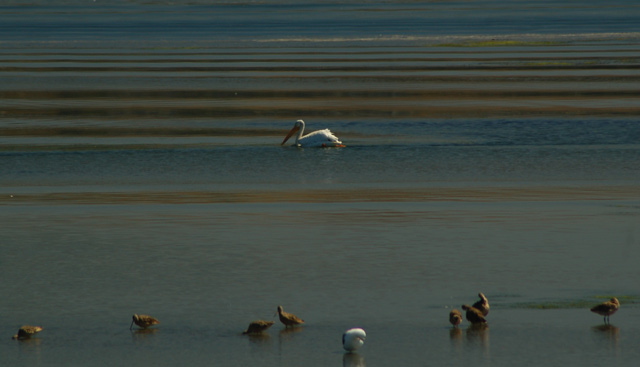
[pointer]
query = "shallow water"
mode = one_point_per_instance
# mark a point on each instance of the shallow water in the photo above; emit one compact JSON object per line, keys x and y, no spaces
{"x":490,"y":147}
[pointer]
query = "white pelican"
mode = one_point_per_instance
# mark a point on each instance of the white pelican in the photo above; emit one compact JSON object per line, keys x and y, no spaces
{"x":353,"y":339}
{"x":321,"y":138}
{"x":607,"y":309}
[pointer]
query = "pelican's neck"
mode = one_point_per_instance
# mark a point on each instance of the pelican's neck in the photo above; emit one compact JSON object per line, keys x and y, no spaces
{"x":300,"y":131}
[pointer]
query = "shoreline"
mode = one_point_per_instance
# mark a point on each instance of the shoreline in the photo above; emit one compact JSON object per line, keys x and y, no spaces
{"x":528,"y":193}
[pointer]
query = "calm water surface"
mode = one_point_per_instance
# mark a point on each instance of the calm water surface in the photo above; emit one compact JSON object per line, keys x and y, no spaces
{"x":490,"y":147}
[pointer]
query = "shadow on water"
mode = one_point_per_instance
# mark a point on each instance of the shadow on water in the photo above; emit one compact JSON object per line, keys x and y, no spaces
{"x":353,"y":360}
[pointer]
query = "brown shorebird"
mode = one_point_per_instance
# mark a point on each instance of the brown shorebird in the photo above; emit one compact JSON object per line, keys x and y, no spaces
{"x":144,"y":321}
{"x":474,"y":316}
{"x":289,"y":319}
{"x":455,"y":317}
{"x":258,"y":326}
{"x":482,"y":305}
{"x":607,"y":309}
{"x":26,"y":332}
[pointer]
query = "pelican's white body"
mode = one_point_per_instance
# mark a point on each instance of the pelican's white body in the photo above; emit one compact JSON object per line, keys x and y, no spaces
{"x":320,"y":139}
{"x":353,"y":339}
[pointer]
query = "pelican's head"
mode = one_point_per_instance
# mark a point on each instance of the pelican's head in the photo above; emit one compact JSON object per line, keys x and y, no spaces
{"x":353,"y":339}
{"x":296,"y":127}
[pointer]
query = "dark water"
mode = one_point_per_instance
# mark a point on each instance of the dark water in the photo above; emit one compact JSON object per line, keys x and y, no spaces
{"x":491,"y":147}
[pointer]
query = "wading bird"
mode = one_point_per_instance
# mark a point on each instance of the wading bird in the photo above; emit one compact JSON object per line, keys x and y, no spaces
{"x":26,"y":332}
{"x":474,"y":316}
{"x":258,"y":326}
{"x":482,"y":305}
{"x":353,"y":339}
{"x":321,"y":138}
{"x":144,"y":321}
{"x":288,"y":319}
{"x":607,"y":309}
{"x":455,"y":317}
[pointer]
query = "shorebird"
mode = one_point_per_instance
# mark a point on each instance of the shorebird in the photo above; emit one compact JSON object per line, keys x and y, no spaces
{"x":26,"y":332}
{"x":353,"y":339}
{"x":474,"y":316}
{"x":258,"y":326}
{"x":144,"y":321}
{"x":607,"y":309}
{"x":482,"y":305}
{"x":455,"y":317}
{"x":288,"y":319}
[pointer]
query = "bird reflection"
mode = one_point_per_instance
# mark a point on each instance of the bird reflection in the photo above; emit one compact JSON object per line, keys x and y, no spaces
{"x":259,"y":338}
{"x":479,"y":333}
{"x":455,"y":333}
{"x":142,"y":335}
{"x":608,"y":331}
{"x":353,"y":360}
{"x":30,"y":344}
{"x":144,"y":332}
{"x":291,"y":331}
{"x":288,"y":333}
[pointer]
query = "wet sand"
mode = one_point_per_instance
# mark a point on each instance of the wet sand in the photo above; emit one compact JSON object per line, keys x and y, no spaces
{"x":446,"y":194}
{"x":468,"y":79}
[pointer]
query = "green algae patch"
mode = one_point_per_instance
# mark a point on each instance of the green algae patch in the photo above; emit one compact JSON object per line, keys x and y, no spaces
{"x":550,"y":63}
{"x":501,"y":43}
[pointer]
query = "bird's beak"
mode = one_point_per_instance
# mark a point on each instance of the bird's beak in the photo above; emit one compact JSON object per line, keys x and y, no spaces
{"x":291,"y":132}
{"x":131,"y":326}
